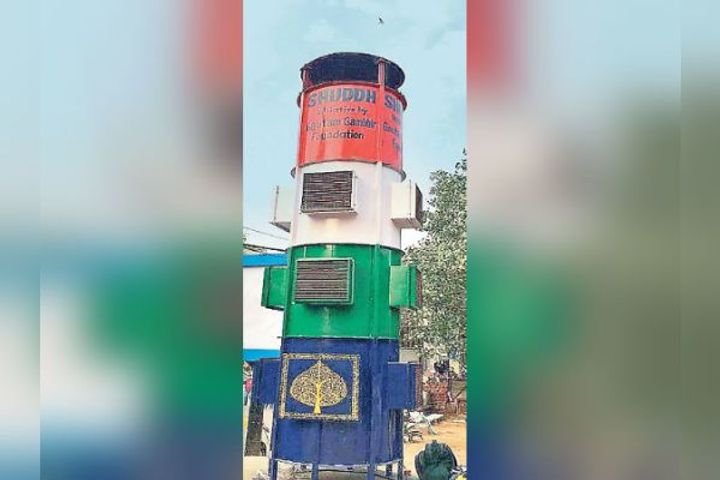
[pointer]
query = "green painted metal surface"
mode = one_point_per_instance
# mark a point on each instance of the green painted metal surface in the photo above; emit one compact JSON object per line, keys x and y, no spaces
{"x":274,"y":290}
{"x":370,"y":314}
{"x":404,"y":287}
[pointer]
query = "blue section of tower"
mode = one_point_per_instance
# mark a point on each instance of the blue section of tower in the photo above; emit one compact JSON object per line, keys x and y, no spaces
{"x":365,"y":427}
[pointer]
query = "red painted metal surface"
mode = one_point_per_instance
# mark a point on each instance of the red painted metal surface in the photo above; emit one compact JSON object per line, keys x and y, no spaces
{"x":351,"y":121}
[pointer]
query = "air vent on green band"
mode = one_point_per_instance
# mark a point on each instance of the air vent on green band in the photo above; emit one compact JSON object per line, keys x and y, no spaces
{"x":328,"y":192}
{"x":323,"y":281}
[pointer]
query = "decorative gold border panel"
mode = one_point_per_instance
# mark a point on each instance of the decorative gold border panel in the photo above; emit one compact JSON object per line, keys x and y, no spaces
{"x":353,"y":416}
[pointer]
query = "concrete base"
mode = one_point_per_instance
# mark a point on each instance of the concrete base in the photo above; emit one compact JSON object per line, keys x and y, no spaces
{"x":252,"y":466}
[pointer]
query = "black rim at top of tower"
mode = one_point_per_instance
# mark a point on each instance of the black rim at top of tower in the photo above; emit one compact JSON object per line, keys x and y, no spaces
{"x":349,"y":66}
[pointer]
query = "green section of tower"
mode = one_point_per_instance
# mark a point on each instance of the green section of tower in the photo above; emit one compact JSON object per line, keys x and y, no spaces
{"x":367,"y":314}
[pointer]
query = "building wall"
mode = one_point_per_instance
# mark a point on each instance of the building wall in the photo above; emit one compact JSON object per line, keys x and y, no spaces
{"x":261,"y":327}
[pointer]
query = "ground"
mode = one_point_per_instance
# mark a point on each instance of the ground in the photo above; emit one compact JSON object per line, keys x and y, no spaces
{"x":451,"y":432}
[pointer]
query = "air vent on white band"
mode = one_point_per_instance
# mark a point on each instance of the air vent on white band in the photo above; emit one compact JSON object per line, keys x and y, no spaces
{"x":406,"y":205}
{"x":328,"y":192}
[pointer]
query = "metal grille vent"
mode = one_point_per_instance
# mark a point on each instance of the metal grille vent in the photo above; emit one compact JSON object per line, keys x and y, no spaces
{"x":323,"y":281}
{"x":326,"y":192}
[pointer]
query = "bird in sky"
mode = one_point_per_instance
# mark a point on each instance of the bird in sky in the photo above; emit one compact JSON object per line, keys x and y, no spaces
{"x":381,"y":21}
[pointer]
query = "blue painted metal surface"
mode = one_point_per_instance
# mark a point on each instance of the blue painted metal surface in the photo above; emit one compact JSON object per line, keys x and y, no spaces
{"x":402,"y":390}
{"x":383,"y":387}
{"x":265,"y":380}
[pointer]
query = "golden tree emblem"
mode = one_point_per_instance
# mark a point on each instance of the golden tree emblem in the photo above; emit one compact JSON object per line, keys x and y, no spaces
{"x":319,"y":386}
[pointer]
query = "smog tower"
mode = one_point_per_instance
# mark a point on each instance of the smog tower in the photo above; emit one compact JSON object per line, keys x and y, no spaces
{"x":338,"y":389}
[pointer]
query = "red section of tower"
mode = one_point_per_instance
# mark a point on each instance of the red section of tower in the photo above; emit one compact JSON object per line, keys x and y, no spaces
{"x":355,"y":119}
{"x":351,"y":121}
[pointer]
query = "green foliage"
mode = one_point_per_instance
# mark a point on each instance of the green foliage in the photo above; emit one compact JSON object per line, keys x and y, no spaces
{"x":439,"y":327}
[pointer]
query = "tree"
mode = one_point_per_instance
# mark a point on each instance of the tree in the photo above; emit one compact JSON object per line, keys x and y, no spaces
{"x":319,"y":387}
{"x":439,"y":327}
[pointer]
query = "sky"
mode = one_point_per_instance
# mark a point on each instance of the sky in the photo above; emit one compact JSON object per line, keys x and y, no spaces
{"x":115,"y":106}
{"x":576,"y":57}
{"x":427,"y":40}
